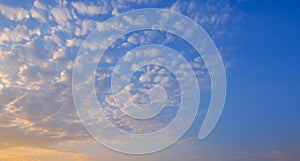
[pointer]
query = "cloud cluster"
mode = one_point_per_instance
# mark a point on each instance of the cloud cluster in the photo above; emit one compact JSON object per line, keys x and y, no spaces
{"x":91,"y":9}
{"x":14,"y":14}
{"x":38,"y":46}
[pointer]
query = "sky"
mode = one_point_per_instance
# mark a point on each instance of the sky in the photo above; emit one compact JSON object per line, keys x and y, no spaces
{"x":257,"y":40}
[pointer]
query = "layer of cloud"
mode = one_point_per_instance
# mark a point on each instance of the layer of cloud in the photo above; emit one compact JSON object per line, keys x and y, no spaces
{"x":14,"y":13}
{"x":38,"y":50}
{"x":29,"y":153}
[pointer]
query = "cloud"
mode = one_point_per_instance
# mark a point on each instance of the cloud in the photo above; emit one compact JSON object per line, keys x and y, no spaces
{"x":100,"y":153}
{"x":274,"y":154}
{"x":65,"y":76}
{"x":185,"y":140}
{"x":39,"y":5}
{"x":31,"y":153}
{"x":91,"y":9}
{"x":140,"y":96}
{"x":39,"y":15}
{"x":285,"y":154}
{"x":14,"y":13}
{"x":61,"y":15}
{"x":36,"y":61}
{"x":87,"y":26}
{"x":211,"y":15}
{"x":73,"y":42}
{"x":36,"y":97}
{"x":282,"y":155}
{"x":115,"y":12}
{"x":59,"y":53}
{"x":15,"y":35}
{"x":54,"y":118}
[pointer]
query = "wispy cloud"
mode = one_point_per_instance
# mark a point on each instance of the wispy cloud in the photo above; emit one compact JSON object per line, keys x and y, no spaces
{"x":29,"y":153}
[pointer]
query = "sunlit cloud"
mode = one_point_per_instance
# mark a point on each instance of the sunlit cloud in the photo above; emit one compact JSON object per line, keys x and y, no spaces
{"x":38,"y":45}
{"x":31,"y":154}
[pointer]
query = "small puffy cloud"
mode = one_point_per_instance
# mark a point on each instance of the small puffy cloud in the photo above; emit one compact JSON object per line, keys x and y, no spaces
{"x":138,"y":21}
{"x":144,"y":78}
{"x":15,"y":35}
{"x":115,"y":12}
{"x":39,"y":5}
{"x":59,"y":53}
{"x":86,"y":27}
{"x":14,"y":13}
{"x":29,"y":74}
{"x":39,"y":15}
{"x":91,"y":9}
{"x":61,"y":15}
{"x":65,"y":76}
{"x":19,"y":33}
{"x":73,"y":42}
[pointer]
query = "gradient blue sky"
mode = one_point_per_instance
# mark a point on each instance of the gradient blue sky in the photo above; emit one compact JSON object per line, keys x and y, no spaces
{"x":258,"y":40}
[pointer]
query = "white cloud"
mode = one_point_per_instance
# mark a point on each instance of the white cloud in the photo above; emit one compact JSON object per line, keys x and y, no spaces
{"x":115,"y":12}
{"x":145,"y":78}
{"x":39,"y":5}
{"x":138,"y":21}
{"x":39,"y":15}
{"x":73,"y":42}
{"x":87,"y":26}
{"x":62,"y":16}
{"x":15,"y":35}
{"x":35,"y":71}
{"x":133,"y":39}
{"x":212,"y":16}
{"x":59,"y":53}
{"x":65,"y":76}
{"x":14,"y":13}
{"x":42,"y":115}
{"x":18,"y":34}
{"x":91,"y":9}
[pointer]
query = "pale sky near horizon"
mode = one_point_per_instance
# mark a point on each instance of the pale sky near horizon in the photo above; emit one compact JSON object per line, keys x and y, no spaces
{"x":259,"y":44}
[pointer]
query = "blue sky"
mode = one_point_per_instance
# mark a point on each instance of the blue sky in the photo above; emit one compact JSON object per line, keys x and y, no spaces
{"x":266,"y":77}
{"x":259,"y":44}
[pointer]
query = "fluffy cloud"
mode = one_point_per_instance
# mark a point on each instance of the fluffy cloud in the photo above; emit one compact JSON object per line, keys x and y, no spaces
{"x":36,"y":61}
{"x":35,"y":80}
{"x":73,"y":42}
{"x":86,"y":27}
{"x":61,"y":15}
{"x":209,"y":14}
{"x":15,"y":35}
{"x":14,"y":14}
{"x":50,"y":114}
{"x":39,"y":15}
{"x":91,"y":9}
{"x":59,"y":53}
{"x":39,"y":5}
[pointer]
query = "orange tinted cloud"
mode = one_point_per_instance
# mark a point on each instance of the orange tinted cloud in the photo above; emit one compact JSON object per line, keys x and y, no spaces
{"x":35,"y":154}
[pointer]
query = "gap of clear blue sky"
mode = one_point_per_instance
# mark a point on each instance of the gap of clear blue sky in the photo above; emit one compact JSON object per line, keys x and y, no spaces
{"x":263,"y":87}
